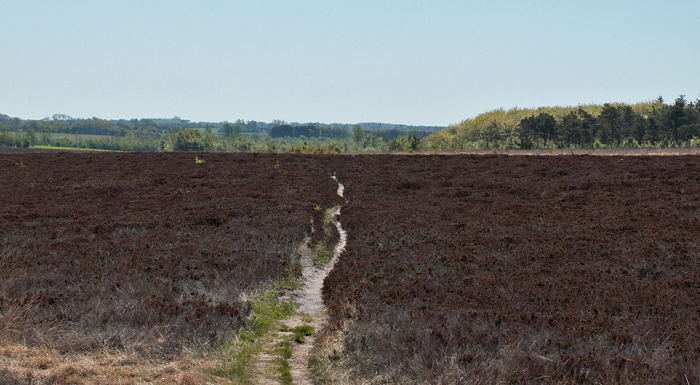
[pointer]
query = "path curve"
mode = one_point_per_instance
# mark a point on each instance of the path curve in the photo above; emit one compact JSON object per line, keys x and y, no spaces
{"x":310,"y":299}
{"x":311,"y":310}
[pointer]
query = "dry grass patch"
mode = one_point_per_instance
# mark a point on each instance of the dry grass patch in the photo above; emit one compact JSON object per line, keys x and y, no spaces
{"x":22,"y":364}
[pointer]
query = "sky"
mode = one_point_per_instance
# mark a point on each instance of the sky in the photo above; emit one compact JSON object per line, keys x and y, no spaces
{"x":408,"y":62}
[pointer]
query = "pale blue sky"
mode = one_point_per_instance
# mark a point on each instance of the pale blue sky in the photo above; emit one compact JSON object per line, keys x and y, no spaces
{"x":411,"y":62}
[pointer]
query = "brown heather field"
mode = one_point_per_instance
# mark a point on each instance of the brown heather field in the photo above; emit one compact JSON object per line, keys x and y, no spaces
{"x":466,"y":269}
{"x":519,"y":269}
{"x":142,"y":255}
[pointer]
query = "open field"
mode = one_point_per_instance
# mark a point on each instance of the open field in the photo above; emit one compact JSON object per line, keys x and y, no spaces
{"x":67,"y":148}
{"x":457,"y":269}
{"x":508,"y":269}
{"x":35,"y":149}
{"x":145,"y":255}
{"x":61,"y":135}
{"x":5,"y":150}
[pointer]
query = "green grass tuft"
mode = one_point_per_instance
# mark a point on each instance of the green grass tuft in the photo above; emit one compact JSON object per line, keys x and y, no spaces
{"x":301,"y":332}
{"x":285,"y":372}
{"x":268,"y":310}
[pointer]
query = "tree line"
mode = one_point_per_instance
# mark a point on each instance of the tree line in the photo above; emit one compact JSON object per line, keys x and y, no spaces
{"x":649,"y":124}
{"x":309,"y":131}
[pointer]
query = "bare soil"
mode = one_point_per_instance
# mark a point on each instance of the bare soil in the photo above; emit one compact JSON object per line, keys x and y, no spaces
{"x":312,"y":311}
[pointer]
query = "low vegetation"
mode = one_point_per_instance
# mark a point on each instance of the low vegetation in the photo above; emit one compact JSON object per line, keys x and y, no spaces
{"x":507,"y":269}
{"x":325,"y":236}
{"x":147,"y":255}
{"x":237,"y":358}
{"x":135,"y":268}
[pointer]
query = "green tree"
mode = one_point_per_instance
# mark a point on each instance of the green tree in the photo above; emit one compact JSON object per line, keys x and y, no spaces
{"x":189,"y":140}
{"x":231,"y":131}
{"x":46,"y":136}
{"x":358,"y":134}
{"x":525,"y":140}
{"x":676,"y":118}
{"x":653,"y":131}
{"x":492,"y":133}
{"x":576,"y":127}
{"x":15,"y":124}
{"x":527,"y":131}
{"x":29,"y":138}
{"x":629,"y":129}
{"x":412,"y":142}
{"x":5,"y":136}
{"x":546,"y":126}
{"x":609,"y":127}
{"x":93,"y":126}
{"x":251,"y":126}
{"x":408,"y":143}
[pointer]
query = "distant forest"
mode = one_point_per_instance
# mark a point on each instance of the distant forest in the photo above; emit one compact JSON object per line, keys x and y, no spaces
{"x":61,"y":123}
{"x":178,"y":134}
{"x":648,"y":124}
{"x":611,"y":125}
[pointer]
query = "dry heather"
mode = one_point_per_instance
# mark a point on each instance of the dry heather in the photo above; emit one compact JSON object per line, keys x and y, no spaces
{"x":514,"y":269}
{"x":111,"y":258}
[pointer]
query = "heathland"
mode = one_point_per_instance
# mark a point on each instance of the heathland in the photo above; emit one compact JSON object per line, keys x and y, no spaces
{"x":149,"y":255}
{"x":457,"y":269}
{"x":513,"y":269}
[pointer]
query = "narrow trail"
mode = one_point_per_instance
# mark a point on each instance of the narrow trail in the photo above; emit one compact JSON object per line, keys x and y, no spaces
{"x":311,"y":310}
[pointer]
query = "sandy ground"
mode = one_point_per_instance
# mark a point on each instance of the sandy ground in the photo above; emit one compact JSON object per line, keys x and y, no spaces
{"x":310,"y":301}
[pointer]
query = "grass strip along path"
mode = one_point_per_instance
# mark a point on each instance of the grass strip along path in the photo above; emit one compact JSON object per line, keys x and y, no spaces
{"x":275,"y":347}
